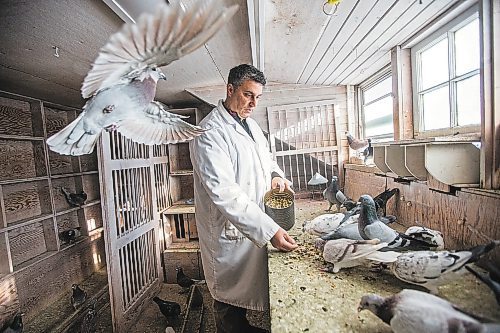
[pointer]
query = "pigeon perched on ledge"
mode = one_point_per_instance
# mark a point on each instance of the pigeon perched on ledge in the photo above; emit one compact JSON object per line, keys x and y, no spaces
{"x":122,"y":82}
{"x":69,"y":236}
{"x":74,"y":199}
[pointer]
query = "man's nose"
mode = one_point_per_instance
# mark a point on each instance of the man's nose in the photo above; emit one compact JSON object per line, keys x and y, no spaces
{"x":253,"y":101}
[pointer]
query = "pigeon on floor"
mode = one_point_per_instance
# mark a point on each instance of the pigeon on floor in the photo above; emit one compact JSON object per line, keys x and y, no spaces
{"x":345,"y":201}
{"x":75,"y":199}
{"x":348,"y":229}
{"x":121,"y":85}
{"x":69,"y":236}
{"x":89,"y":321}
{"x":427,"y":235}
{"x":431,"y":269}
{"x":492,"y":279}
{"x":370,"y":227}
{"x":323,"y":224}
{"x":413,"y":311}
{"x":16,"y":326}
{"x":78,"y":296}
{"x":343,"y":253}
{"x":381,"y":200}
{"x":171,"y":310}
{"x":356,"y":144}
{"x":330,"y":192}
{"x":183,"y":280}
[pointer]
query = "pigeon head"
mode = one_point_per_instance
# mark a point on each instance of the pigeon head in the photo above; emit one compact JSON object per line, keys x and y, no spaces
{"x":367,"y":203}
{"x":157,"y":74}
{"x":74,"y":286}
{"x":370,"y":302}
{"x":178,"y":269}
{"x":319,"y":244}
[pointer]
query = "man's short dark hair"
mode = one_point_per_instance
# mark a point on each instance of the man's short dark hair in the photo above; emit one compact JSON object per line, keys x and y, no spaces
{"x":238,"y":74}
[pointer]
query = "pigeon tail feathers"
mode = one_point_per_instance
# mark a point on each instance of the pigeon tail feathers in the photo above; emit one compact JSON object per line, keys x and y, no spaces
{"x":73,"y":139}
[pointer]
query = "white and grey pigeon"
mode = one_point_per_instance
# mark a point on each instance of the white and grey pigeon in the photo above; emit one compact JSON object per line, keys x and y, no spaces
{"x":348,"y":227}
{"x":121,"y":85}
{"x":413,"y":311}
{"x":428,"y":235}
{"x":431,"y":269}
{"x":344,"y":253}
{"x":370,"y":227}
{"x":344,"y":200}
{"x":323,"y":224}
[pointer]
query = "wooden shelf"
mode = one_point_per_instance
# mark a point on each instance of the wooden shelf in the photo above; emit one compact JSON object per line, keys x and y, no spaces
{"x":25,"y":222}
{"x":67,"y":175}
{"x":91,"y":203}
{"x":21,"y":137}
{"x":180,"y":208}
{"x":22,"y":180}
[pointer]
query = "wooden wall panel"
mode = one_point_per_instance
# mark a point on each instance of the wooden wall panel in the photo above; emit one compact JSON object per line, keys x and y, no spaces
{"x":465,"y":219}
{"x":39,"y":284}
{"x":16,"y":117}
{"x":91,"y":187}
{"x":26,"y":200}
{"x":27,"y":242}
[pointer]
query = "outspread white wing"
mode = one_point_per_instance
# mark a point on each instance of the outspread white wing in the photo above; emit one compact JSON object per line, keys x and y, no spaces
{"x":155,"y":40}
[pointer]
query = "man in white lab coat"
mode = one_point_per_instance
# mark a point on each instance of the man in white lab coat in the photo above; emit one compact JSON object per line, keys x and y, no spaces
{"x":233,"y":169}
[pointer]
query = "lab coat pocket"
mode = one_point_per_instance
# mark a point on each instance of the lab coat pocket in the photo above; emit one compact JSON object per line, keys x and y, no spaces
{"x":231,"y":232}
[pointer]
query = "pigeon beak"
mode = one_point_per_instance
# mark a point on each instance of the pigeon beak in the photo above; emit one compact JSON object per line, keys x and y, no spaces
{"x":163,"y":76}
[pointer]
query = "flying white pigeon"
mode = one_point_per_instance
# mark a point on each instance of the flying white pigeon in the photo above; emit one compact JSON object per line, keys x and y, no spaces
{"x":343,"y":253}
{"x":431,"y":269}
{"x":413,"y":311}
{"x":122,"y":82}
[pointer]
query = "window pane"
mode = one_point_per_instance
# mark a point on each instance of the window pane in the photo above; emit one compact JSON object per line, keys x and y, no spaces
{"x":468,"y":103}
{"x":436,"y":108}
{"x":380,"y":89}
{"x":434,"y":64}
{"x":467,"y":48}
{"x":378,"y":117}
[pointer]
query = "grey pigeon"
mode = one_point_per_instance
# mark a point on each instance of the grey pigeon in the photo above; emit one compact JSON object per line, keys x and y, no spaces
{"x":75,"y":199}
{"x":323,"y":224}
{"x":492,"y":280}
{"x":330,"y":194}
{"x":431,"y":269}
{"x":348,"y":228}
{"x":371,"y":227}
{"x":16,"y":326}
{"x":356,"y":144}
{"x":381,"y":200}
{"x":89,"y":321}
{"x":428,"y":235}
{"x":368,"y":153}
{"x":122,"y":82}
{"x":344,"y":253}
{"x":78,"y":296}
{"x":413,"y":311}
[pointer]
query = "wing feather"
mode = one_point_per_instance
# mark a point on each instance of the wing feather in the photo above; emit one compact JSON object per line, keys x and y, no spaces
{"x":155,"y":40}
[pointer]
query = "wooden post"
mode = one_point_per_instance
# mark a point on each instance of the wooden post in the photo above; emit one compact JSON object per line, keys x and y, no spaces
{"x":490,"y":90}
{"x":402,"y":93}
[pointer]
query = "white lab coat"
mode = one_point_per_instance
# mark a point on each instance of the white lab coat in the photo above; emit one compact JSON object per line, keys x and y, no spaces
{"x":232,"y":173}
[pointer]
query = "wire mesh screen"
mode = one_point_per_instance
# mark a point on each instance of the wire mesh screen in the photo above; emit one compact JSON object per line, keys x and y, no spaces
{"x":304,"y":140}
{"x":138,"y":269}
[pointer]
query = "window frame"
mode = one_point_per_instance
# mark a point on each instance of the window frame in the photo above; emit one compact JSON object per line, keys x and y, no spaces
{"x":372,"y":81}
{"x":446,"y":31}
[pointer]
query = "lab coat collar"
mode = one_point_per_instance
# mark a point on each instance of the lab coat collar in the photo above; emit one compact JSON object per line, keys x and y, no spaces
{"x":231,"y":121}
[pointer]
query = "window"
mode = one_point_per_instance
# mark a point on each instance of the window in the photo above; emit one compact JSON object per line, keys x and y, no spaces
{"x":376,"y":107}
{"x":446,"y":78}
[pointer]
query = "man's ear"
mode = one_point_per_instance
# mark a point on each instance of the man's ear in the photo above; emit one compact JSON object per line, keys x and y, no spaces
{"x":230,"y":89}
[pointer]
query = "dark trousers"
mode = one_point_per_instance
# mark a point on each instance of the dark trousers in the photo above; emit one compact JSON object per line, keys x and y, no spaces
{"x":233,"y":319}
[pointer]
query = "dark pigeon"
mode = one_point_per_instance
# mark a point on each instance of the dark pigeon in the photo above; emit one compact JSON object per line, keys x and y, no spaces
{"x":75,"y":199}
{"x":368,"y":153}
{"x":16,"y":326}
{"x":171,"y":310}
{"x":78,"y":296}
{"x":69,"y":236}
{"x":183,"y":280}
{"x":345,"y":201}
{"x":381,"y":200}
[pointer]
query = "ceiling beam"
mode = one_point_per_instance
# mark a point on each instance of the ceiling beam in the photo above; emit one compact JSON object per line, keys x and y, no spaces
{"x":256,"y":23}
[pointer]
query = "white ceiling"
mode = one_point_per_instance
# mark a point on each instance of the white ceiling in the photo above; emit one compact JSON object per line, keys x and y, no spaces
{"x":294,"y":41}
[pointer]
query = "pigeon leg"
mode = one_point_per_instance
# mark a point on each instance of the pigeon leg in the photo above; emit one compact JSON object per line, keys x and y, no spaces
{"x":329,"y":208}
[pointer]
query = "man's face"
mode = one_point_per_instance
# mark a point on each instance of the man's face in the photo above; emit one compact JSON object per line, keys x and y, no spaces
{"x":244,"y":99}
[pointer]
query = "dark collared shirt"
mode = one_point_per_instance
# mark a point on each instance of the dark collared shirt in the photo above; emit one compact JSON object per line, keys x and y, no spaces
{"x":242,"y":122}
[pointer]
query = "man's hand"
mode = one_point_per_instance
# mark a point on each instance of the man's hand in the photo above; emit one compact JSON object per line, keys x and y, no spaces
{"x":282,"y":241}
{"x":282,"y":184}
